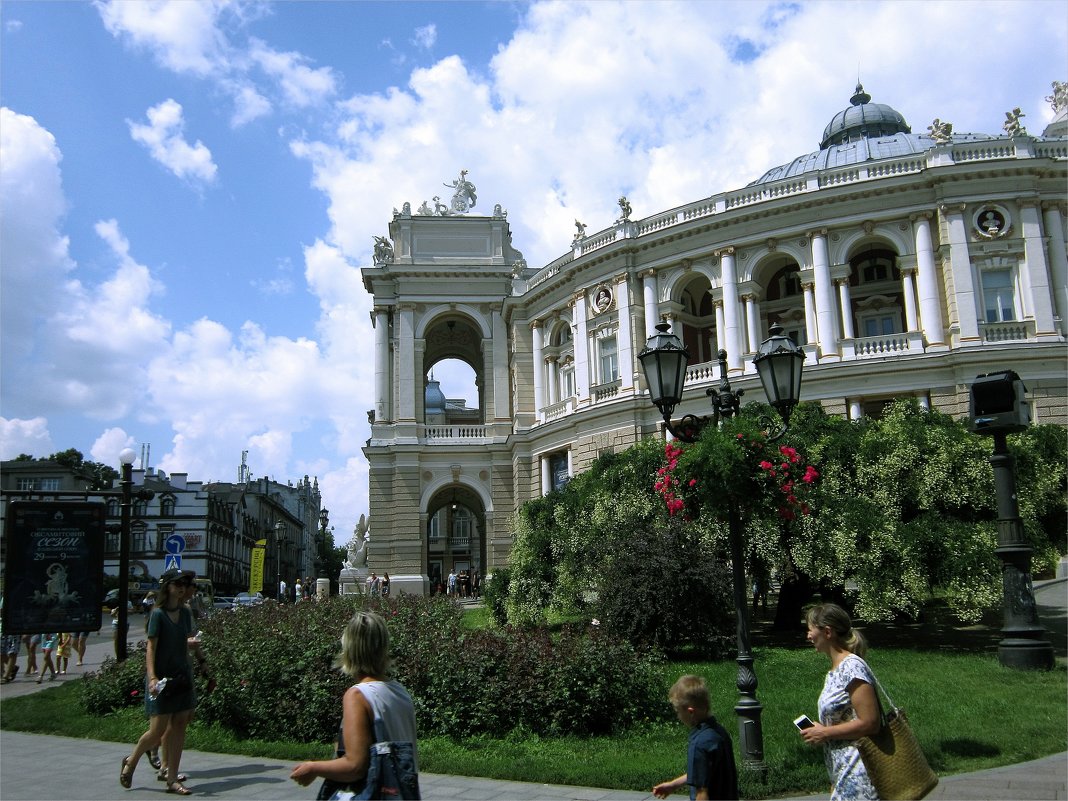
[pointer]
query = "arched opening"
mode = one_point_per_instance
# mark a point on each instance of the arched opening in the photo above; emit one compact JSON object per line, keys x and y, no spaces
{"x":876,"y":297}
{"x":784,"y":298}
{"x":453,"y":383}
{"x":698,"y":318}
{"x":456,"y":542}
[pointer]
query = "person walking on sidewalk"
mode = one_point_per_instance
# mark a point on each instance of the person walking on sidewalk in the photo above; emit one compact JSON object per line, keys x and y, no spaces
{"x":170,"y":705}
{"x":48,"y":646}
{"x":848,"y":705}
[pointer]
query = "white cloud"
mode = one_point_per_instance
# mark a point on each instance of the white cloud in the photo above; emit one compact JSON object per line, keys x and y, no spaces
{"x":183,"y":36}
{"x":164,"y":141}
{"x":107,"y":447}
{"x":300,"y":84}
{"x":24,"y":436}
{"x":425,"y":36}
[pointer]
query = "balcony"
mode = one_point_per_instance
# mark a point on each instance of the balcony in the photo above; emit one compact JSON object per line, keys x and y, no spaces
{"x":1012,"y":331}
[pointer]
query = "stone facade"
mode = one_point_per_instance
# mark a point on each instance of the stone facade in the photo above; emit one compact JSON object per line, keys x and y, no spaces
{"x":902,"y":265}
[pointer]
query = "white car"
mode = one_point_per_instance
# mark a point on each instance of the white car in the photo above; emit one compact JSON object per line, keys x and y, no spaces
{"x":243,"y":599}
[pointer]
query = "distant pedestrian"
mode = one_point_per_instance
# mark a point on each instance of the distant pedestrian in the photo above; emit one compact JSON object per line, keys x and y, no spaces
{"x":298,"y":590}
{"x":31,"y":641}
{"x":10,"y":645}
{"x":282,"y":591}
{"x":80,"y":640}
{"x":385,"y":584}
{"x":63,"y":649}
{"x":451,"y":583}
{"x":848,"y":705}
{"x":710,"y":769}
{"x":48,"y":647}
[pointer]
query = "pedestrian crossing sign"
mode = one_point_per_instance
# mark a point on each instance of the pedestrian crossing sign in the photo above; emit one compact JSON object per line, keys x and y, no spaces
{"x":173,"y":561}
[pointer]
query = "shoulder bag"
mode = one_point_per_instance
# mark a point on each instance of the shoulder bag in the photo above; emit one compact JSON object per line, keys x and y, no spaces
{"x":893,"y":758}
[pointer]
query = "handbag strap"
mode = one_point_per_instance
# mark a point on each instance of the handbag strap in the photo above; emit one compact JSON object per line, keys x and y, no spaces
{"x":893,"y":706}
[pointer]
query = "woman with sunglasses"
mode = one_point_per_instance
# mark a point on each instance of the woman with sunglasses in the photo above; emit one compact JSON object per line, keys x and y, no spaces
{"x":169,"y":706}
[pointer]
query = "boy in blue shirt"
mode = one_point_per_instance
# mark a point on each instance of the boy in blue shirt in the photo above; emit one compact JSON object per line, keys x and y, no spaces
{"x":710,"y":769}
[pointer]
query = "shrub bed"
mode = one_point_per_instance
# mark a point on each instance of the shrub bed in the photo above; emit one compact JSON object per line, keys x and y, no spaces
{"x":276,"y":681}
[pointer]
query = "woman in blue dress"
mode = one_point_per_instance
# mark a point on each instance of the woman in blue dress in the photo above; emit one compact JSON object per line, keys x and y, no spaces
{"x":171,"y":709}
{"x":848,"y":705}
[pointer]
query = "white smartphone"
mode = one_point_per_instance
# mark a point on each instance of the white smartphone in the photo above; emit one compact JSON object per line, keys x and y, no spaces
{"x":803,"y":722}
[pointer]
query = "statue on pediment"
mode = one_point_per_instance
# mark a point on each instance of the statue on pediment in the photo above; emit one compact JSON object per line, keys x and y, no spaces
{"x":383,"y":250}
{"x":463,"y":198}
{"x":940,"y":132}
{"x":1059,"y":99}
{"x":1012,"y":123}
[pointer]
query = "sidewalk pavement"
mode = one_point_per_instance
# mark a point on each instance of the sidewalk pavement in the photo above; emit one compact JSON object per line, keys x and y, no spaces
{"x":36,"y":766}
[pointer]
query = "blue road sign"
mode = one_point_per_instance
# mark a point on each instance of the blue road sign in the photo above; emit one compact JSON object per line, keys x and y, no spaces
{"x":175,"y":544}
{"x":173,"y":561}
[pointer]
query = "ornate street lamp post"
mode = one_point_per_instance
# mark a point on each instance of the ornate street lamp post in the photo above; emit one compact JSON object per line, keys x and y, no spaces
{"x":779,"y":363}
{"x":122,"y":622}
{"x":320,"y":550}
{"x":998,"y":408}
{"x":279,"y":541}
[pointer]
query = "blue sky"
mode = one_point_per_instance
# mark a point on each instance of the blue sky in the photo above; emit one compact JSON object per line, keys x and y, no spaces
{"x":189,"y":189}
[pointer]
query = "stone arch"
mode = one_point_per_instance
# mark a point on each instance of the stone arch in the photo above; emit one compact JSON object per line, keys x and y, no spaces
{"x":455,"y":311}
{"x":670,"y":281}
{"x":455,"y":536}
{"x":889,"y":235}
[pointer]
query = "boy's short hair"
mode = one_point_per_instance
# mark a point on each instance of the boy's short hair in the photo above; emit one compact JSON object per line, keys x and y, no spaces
{"x":690,"y":690}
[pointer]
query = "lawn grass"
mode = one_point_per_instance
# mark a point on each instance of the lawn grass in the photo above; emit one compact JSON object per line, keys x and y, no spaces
{"x":968,"y":712}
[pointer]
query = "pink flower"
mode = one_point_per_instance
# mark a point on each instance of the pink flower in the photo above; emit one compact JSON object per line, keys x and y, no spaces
{"x":765,"y":465}
{"x":693,"y":482}
{"x":810,"y":475}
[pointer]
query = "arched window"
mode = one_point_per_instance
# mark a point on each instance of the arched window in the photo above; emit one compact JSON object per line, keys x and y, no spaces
{"x":166,"y":506}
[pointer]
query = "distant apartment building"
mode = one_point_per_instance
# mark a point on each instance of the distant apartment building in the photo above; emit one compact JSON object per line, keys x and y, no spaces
{"x":218,"y":523}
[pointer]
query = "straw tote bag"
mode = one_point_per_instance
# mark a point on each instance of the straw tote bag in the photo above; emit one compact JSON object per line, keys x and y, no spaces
{"x":893,"y":758}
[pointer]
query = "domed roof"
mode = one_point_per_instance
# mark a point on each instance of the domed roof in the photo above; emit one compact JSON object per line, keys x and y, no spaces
{"x":863,"y":119}
{"x":862,"y":133}
{"x":434,"y":398}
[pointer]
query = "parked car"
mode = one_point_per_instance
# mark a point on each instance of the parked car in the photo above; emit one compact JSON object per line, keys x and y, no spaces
{"x":243,"y":599}
{"x":222,"y":602}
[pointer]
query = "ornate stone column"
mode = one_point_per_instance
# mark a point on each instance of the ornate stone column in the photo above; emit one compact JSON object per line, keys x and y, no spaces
{"x":969,"y":311}
{"x":846,"y":308}
{"x":732,"y":340}
{"x":554,"y":379}
{"x":624,"y":332}
{"x":752,"y":322}
{"x":380,"y":320}
{"x":405,"y":346}
{"x":538,"y":333}
{"x":930,"y":302}
{"x":1053,"y":217}
{"x":811,"y":331}
{"x":1037,"y":268}
{"x":582,"y":347}
{"x":908,"y":291}
{"x":652,"y":317}
{"x":824,"y":292}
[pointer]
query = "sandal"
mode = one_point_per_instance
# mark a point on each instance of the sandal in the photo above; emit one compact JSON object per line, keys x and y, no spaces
{"x":153,"y":758}
{"x":162,"y":776}
{"x":178,"y":788}
{"x":125,"y":778}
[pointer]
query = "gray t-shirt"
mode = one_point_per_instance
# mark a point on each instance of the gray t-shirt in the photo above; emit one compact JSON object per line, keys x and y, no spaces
{"x":394,"y":712}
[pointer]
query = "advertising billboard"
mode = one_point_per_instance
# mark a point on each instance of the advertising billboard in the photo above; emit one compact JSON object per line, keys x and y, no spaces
{"x":55,"y":566}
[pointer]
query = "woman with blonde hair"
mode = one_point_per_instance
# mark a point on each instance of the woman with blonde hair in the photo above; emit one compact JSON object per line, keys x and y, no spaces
{"x":374,"y":710}
{"x":848,"y":705}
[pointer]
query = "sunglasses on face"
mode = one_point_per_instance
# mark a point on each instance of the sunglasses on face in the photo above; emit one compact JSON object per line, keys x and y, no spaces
{"x":184,"y":583}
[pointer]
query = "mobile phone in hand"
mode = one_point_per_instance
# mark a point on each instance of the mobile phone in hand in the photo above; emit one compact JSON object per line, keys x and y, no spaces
{"x":803,"y":722}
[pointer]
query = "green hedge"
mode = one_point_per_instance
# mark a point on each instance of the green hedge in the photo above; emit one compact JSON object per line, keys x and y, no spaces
{"x":273,"y":665}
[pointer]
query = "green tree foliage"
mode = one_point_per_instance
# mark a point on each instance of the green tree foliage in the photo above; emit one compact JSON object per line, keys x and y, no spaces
{"x":904,"y":506}
{"x":604,"y":547}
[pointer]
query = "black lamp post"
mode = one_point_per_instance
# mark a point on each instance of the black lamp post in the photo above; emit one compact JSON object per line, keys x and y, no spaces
{"x":998,"y":408}
{"x":122,"y":621}
{"x":779,"y":364}
{"x":320,"y":551}
{"x":279,"y":541}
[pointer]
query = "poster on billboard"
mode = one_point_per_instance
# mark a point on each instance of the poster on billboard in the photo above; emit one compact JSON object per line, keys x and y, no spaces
{"x":55,"y":566}
{"x":255,"y":579}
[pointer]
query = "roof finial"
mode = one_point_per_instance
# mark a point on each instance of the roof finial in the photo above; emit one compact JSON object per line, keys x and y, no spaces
{"x":860,"y":97}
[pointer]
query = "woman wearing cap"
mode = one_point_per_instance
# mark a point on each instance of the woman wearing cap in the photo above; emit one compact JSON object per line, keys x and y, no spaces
{"x":169,"y":711}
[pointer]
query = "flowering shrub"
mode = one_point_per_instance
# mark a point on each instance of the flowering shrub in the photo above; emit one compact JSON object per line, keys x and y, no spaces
{"x":734,"y":463}
{"x":784,"y":477}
